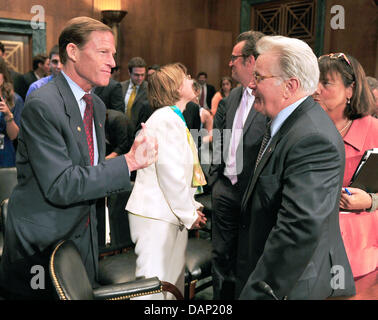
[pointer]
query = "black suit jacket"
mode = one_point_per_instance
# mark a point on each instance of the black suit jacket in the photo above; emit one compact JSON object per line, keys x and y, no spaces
{"x":23,"y":82}
{"x":141,"y":109}
{"x":209,"y":95}
{"x":112,"y":96}
{"x":192,"y":116}
{"x":253,"y":131}
{"x":118,"y":132}
{"x":290,"y":235}
{"x":57,"y":187}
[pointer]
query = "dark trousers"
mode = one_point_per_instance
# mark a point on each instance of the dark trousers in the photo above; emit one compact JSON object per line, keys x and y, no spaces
{"x":226,"y":201}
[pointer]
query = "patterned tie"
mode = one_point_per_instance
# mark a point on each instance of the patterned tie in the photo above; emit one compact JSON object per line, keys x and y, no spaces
{"x":131,"y":101}
{"x":237,"y":133}
{"x":264,"y":143}
{"x":88,"y":124}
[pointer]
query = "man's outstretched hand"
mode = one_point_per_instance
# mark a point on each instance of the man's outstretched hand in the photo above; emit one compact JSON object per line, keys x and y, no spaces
{"x":143,"y":152}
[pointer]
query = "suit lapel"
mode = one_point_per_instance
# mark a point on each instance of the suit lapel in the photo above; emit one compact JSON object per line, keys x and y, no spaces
{"x":99,"y":126}
{"x":140,"y":93}
{"x":73,"y":112}
{"x":230,"y":114}
{"x":301,"y":109}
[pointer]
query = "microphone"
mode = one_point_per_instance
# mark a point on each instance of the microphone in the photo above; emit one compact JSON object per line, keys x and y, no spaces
{"x":267,"y":289}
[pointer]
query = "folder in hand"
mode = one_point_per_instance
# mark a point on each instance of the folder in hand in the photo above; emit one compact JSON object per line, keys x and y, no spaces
{"x":366,"y":174}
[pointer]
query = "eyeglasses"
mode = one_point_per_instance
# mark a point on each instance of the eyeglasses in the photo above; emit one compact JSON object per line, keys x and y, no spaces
{"x":338,"y":56}
{"x":341,"y":56}
{"x":233,"y":58}
{"x":258,"y":78}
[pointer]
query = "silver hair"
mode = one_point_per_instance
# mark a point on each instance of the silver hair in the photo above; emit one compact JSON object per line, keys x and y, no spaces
{"x":296,"y":60}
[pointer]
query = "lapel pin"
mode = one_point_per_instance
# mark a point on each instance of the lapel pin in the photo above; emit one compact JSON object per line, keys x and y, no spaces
{"x":79,"y":129}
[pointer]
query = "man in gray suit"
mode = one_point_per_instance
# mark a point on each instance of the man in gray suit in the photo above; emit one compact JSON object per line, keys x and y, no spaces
{"x":229,"y":176}
{"x":134,"y":93}
{"x":60,"y":164}
{"x":290,"y":244}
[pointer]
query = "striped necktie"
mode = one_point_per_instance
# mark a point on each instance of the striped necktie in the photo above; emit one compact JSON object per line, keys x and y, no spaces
{"x":264,"y":143}
{"x":88,"y":124}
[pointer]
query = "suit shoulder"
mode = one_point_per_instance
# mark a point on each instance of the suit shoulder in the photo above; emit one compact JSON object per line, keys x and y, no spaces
{"x":161,"y":116}
{"x":46,"y":93}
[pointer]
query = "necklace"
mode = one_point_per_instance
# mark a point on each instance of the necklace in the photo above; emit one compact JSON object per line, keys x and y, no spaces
{"x":346,"y":126}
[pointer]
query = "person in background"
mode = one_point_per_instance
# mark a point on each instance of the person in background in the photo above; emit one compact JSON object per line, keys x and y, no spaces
{"x":111,"y":95}
{"x":161,"y":206}
{"x":207,"y":91}
{"x":40,"y":69}
{"x":233,"y":162}
{"x":55,"y":66}
{"x":152,"y":69}
{"x":343,"y":92}
{"x":134,"y":91}
{"x":11,"y":105}
{"x":373,"y":85}
{"x":225,"y":89}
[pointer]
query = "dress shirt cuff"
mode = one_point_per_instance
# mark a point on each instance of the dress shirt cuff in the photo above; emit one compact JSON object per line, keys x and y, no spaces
{"x":374,"y":202}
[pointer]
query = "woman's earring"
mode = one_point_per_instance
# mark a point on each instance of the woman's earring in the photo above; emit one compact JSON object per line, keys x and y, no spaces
{"x":348,"y":100}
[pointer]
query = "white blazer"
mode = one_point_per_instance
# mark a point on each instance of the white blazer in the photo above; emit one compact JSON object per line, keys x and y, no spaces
{"x":163,"y":190}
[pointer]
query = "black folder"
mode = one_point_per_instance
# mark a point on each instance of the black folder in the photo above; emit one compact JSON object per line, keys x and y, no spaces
{"x":366,"y":175}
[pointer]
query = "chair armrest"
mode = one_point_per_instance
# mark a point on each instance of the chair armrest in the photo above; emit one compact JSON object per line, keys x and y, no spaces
{"x":127,"y":290}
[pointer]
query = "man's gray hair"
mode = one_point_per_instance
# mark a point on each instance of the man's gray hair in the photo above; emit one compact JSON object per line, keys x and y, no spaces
{"x":296,"y":60}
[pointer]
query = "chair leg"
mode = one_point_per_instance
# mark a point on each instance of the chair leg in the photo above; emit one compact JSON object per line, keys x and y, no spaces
{"x":169,"y":287}
{"x":192,"y":289}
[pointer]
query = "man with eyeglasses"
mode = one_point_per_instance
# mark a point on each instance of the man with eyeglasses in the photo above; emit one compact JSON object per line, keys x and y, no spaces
{"x":242,"y":129}
{"x":290,"y":245}
{"x":54,"y":65}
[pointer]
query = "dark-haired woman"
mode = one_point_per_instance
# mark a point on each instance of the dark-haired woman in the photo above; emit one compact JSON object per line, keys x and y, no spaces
{"x":11,"y":105}
{"x":344,"y":94}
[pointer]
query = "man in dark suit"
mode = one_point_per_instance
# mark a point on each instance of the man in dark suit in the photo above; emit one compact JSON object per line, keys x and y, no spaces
{"x":207,"y":91}
{"x":290,"y":237}
{"x":118,"y":133}
{"x":240,"y":136}
{"x":134,"y":92}
{"x":60,"y":164}
{"x":41,"y":68}
{"x":112,"y":95}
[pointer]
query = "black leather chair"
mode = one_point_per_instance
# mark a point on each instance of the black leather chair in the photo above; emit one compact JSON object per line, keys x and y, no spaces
{"x":71,"y":282}
{"x":198,"y":266}
{"x":8,"y":178}
{"x":3,"y":218}
{"x":120,"y":267}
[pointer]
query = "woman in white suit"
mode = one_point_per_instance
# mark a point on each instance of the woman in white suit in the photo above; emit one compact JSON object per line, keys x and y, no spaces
{"x":162,"y":206}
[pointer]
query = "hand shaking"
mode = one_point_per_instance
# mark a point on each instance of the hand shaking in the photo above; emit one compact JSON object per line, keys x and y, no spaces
{"x":143,"y":152}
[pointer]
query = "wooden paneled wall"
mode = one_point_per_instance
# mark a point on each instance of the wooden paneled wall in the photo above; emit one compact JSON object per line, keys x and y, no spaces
{"x":158,"y":30}
{"x":149,"y":29}
{"x":57,"y":13}
{"x":360,"y":36}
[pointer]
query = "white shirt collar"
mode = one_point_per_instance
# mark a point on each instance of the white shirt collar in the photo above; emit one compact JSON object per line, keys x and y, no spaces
{"x":76,"y":90}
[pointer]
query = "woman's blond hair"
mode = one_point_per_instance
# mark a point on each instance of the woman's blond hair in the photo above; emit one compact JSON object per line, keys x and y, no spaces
{"x":164,"y":85}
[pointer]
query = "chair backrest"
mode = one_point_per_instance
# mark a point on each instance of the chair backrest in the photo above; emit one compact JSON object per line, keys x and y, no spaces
{"x":3,"y":214}
{"x":68,"y":273}
{"x":8,"y":180}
